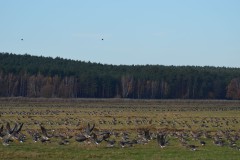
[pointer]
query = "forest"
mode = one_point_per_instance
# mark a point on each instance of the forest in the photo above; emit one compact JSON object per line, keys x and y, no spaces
{"x":38,"y":76}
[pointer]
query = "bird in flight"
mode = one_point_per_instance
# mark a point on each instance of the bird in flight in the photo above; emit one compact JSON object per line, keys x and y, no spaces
{"x":22,"y":39}
{"x":102,"y":39}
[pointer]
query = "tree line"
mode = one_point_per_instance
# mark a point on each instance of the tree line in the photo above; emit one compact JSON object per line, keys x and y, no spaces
{"x":38,"y":76}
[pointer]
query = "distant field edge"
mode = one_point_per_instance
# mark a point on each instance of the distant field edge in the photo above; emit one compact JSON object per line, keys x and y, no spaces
{"x":123,"y":100}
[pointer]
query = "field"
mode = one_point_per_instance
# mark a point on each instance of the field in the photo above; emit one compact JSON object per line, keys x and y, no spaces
{"x":192,"y":129}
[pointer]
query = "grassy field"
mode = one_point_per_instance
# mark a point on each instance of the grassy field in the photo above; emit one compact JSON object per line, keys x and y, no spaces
{"x":174,"y":117}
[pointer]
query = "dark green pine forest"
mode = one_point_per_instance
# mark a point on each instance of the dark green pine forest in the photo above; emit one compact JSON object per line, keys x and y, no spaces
{"x":37,"y":76}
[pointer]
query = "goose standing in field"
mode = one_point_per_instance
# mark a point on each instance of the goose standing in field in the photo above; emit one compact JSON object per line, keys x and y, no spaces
{"x":162,"y":139}
{"x":192,"y":147}
{"x":125,"y":144}
{"x":95,"y":139}
{"x":63,"y":141}
{"x":203,"y":143}
{"x":6,"y":141}
{"x":80,"y":138}
{"x":147,"y":134}
{"x":106,"y":135}
{"x":125,"y":136}
{"x":110,"y":143}
{"x":45,"y":136}
{"x":218,"y":141}
{"x":35,"y":135}
{"x":64,"y":138}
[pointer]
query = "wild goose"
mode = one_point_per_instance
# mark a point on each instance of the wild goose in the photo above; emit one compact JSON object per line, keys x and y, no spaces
{"x":125,"y":143}
{"x":63,"y":142}
{"x":110,"y":143}
{"x":6,"y":141}
{"x":16,"y":133}
{"x":195,"y":135}
{"x":80,"y":138}
{"x":45,"y":136}
{"x":162,"y":139}
{"x":9,"y":130}
{"x":89,"y":130}
{"x":147,"y":134}
{"x":192,"y":147}
{"x":203,"y":143}
{"x":106,"y":135}
{"x":95,"y":139}
{"x":125,"y":137}
{"x":21,"y":138}
{"x":36,"y":136}
{"x":11,"y":134}
{"x":219,"y":142}
{"x":64,"y":138}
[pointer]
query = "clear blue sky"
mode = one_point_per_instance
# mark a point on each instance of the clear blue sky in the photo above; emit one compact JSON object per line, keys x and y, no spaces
{"x":165,"y":32}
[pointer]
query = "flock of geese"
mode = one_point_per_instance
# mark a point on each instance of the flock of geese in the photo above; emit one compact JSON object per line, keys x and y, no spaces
{"x":191,"y":140}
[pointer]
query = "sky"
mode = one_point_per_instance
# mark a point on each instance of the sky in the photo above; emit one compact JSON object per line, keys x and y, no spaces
{"x":134,"y":32}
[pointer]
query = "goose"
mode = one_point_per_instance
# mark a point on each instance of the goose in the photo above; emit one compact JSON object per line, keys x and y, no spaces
{"x":95,"y":139}
{"x":89,"y":130}
{"x":125,"y":143}
{"x":125,"y":137}
{"x":192,"y":147}
{"x":80,"y":138}
{"x":219,"y":142}
{"x":21,"y":138}
{"x":6,"y":141}
{"x":162,"y":139}
{"x":63,"y":142}
{"x":203,"y":143}
{"x":35,"y":135}
{"x":195,"y":135}
{"x":45,"y":136}
{"x":147,"y":134}
{"x":11,"y":134}
{"x":110,"y":143}
{"x":106,"y":135}
{"x":9,"y":130}
{"x":16,"y":132}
